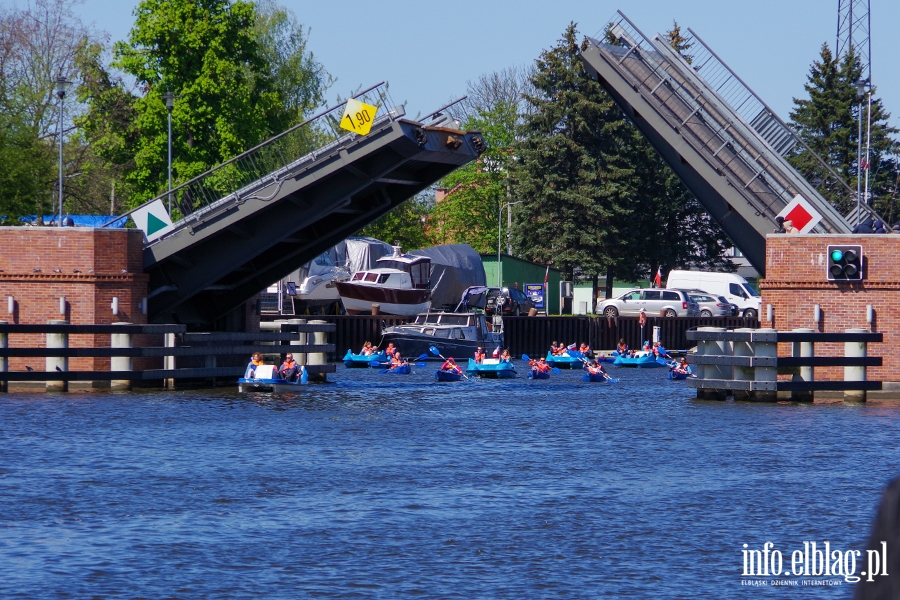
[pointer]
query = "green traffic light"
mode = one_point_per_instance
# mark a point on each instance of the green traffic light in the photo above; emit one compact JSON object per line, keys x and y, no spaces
{"x":836,"y":255}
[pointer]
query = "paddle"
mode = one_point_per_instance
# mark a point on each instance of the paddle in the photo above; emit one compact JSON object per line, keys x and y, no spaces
{"x":437,"y":352}
{"x":554,"y":370}
{"x":606,"y":376}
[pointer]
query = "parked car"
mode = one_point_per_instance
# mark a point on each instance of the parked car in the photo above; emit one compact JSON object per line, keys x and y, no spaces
{"x":514,"y":301}
{"x":734,"y":288}
{"x":711,"y":306}
{"x":655,"y":301}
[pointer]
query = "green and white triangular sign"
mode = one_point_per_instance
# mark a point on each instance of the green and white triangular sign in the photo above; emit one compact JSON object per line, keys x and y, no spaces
{"x":152,"y":219}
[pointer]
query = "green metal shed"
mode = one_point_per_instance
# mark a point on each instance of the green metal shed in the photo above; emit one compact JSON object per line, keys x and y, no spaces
{"x":516,"y":272}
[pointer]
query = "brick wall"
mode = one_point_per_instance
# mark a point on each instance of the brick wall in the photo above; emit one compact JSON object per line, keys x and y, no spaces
{"x":110,"y":264}
{"x":796,"y":281}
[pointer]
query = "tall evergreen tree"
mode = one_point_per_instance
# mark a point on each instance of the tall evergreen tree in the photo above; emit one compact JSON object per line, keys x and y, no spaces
{"x":569,"y":173}
{"x":828,"y":121}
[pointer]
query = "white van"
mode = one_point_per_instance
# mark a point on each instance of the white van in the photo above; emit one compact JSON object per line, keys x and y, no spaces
{"x":733,"y":287}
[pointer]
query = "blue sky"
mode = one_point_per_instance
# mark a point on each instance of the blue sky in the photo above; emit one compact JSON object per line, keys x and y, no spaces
{"x":429,"y":50}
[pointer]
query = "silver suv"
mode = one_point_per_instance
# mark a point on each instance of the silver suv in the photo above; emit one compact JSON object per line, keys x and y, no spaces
{"x":655,"y":301}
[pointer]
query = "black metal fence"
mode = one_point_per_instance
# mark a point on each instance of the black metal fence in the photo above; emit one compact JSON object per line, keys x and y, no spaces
{"x":533,"y":335}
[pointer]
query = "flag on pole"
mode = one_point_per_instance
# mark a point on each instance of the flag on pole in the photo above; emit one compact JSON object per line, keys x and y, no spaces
{"x":864,"y":163}
{"x":657,"y":281}
{"x":496,"y":352}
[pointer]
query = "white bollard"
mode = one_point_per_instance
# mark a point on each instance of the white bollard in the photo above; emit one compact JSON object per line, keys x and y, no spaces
{"x":804,"y":350}
{"x":767,"y":374}
{"x":121,"y":363}
{"x":302,"y":337}
{"x":4,"y":386}
{"x":169,"y":361}
{"x":57,"y":363}
{"x":855,"y":349}
{"x":319,"y":358}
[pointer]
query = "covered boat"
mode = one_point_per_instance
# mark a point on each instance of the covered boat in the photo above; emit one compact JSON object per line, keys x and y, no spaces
{"x":452,"y":333}
{"x":493,"y":368}
{"x":646,"y":361}
{"x":362,"y":361}
{"x":400,"y":286}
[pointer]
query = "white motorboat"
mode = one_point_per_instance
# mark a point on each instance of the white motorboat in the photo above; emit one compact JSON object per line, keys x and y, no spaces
{"x":400,"y":285}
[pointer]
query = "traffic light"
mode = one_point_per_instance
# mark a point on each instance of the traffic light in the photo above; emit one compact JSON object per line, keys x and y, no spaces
{"x":845,"y":263}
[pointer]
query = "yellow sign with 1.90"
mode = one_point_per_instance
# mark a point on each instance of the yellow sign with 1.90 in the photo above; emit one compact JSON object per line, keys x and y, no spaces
{"x":358,"y":117}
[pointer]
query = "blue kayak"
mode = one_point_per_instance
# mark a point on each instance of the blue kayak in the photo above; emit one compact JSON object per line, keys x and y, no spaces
{"x":362,"y":361}
{"x":594,"y":377}
{"x":647,"y":361}
{"x":538,"y":374}
{"x":677,"y":376}
{"x":492,"y":368}
{"x":440,"y":375}
{"x":403,"y":369}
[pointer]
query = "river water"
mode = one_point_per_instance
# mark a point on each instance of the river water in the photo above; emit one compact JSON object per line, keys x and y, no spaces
{"x":385,"y":486}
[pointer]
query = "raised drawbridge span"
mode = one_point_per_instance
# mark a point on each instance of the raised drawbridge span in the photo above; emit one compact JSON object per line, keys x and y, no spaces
{"x":253,"y":219}
{"x":722,"y":140}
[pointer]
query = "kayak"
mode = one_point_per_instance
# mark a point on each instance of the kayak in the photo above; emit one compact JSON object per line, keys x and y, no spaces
{"x":440,"y":375}
{"x":403,"y":369}
{"x":491,"y":367}
{"x":677,"y":376}
{"x":537,"y":374}
{"x":594,"y":377}
{"x":362,"y":361}
{"x":645,"y":361}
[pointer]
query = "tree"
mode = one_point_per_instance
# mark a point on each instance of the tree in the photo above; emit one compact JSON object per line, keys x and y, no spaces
{"x":403,"y":226}
{"x":828,"y":122}
{"x":239,"y":76}
{"x":38,"y":44}
{"x":569,"y":171}
{"x":469,"y":213}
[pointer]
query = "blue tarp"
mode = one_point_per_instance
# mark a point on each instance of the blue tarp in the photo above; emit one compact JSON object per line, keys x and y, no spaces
{"x":79,"y":220}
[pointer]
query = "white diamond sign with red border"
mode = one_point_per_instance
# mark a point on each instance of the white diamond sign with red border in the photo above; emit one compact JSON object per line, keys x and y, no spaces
{"x":801,"y":214}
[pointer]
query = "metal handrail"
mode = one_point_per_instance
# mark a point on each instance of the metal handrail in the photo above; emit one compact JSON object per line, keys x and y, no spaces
{"x":383,"y":99}
{"x":645,"y":50}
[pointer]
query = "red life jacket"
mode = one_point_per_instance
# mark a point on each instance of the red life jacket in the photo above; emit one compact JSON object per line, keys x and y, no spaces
{"x":286,"y":366}
{"x":479,"y":356}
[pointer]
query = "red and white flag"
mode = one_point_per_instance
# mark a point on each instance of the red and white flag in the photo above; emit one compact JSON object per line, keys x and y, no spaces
{"x":547,"y":275}
{"x":496,"y":353}
{"x":657,"y":281}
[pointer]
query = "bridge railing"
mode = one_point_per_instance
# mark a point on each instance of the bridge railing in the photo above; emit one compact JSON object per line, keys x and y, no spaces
{"x":242,"y":177}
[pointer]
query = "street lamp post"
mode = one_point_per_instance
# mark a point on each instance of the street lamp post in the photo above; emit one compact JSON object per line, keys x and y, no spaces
{"x":170,"y":104}
{"x":500,"y":236}
{"x":860,"y":92}
{"x":61,"y":86}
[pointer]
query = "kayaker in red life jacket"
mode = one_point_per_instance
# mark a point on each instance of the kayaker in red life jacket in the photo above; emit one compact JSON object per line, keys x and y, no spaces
{"x":450,"y":365}
{"x":541,"y":365}
{"x":396,"y":360}
{"x":479,"y":355}
{"x":585,"y":349}
{"x":289,"y":369}
{"x":390,"y":349}
{"x":622,"y":347}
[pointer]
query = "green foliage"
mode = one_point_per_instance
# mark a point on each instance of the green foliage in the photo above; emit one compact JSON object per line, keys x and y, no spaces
{"x":475,"y":193}
{"x":679,"y":43}
{"x":570,"y":174}
{"x":27,"y":168}
{"x":404,"y":226}
{"x":828,"y":121}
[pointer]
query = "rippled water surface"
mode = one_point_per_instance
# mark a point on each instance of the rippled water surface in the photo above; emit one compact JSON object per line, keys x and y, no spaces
{"x":383,"y":486}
